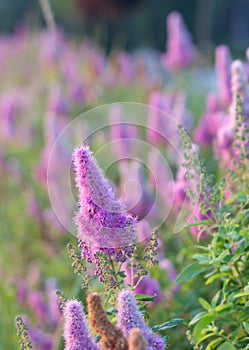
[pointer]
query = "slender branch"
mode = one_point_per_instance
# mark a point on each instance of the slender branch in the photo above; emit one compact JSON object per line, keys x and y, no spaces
{"x":48,"y":15}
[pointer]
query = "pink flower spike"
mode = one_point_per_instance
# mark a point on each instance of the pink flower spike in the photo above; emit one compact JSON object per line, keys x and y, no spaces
{"x":76,"y":333}
{"x":223,"y":62}
{"x":101,"y":219}
{"x":129,"y":317}
{"x":180,"y":49}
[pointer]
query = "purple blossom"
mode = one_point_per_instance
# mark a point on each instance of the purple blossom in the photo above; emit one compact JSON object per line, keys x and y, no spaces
{"x":57,"y":102}
{"x":12,"y":106}
{"x":41,"y":340}
{"x":180,"y":49}
{"x":56,"y":119}
{"x":157,"y":119}
{"x":101,"y":219}
{"x":139,"y":198}
{"x":161,"y":179}
{"x":201,"y":214}
{"x":180,"y":186}
{"x":52,"y":46}
{"x":129,"y":317}
{"x":76,"y":333}
{"x":167,"y":265}
{"x":38,"y":305}
{"x":180,"y":111}
{"x":223,"y":62}
{"x":211,"y":121}
{"x":125,"y":67}
{"x":239,"y":85}
{"x":121,"y":132}
{"x":144,"y":231}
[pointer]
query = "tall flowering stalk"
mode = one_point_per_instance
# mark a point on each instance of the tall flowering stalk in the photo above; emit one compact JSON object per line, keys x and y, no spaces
{"x":223,"y":62}
{"x":180,"y":49}
{"x":129,"y":317}
{"x":76,"y":333}
{"x":102,"y":222}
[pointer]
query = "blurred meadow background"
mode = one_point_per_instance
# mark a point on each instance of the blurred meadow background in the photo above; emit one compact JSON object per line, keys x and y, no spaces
{"x":87,"y":54}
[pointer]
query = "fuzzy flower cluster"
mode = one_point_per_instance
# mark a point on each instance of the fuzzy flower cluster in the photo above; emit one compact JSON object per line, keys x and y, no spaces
{"x":217,"y":125}
{"x":101,"y":219}
{"x":180,"y":49}
{"x":129,"y":317}
{"x":130,"y":333}
{"x":76,"y":333}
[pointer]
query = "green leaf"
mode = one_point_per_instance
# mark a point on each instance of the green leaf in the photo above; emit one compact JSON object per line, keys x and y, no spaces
{"x":166,"y":339}
{"x":167,"y":325}
{"x":205,"y":321}
{"x":214,"y":277}
{"x":210,"y":345}
{"x":215,"y":298}
{"x":198,"y":223}
{"x":203,"y":259}
{"x":206,"y":336}
{"x":240,"y":197}
{"x":222,"y":307}
{"x":190,"y":271}
{"x":242,"y":294}
{"x":226,"y":346}
{"x":122,"y":274}
{"x":204,"y":304}
{"x":197,"y":318}
{"x":144,"y":297}
{"x":111,"y":312}
{"x":145,"y":315}
{"x":246,"y":327}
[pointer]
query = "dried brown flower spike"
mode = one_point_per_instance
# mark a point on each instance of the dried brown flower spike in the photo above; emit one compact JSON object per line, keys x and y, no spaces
{"x":112,"y":337}
{"x":137,"y":340}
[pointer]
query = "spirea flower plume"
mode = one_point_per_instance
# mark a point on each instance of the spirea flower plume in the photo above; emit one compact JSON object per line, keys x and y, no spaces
{"x":129,"y":317}
{"x":76,"y":333}
{"x":101,"y":219}
{"x":180,"y":49}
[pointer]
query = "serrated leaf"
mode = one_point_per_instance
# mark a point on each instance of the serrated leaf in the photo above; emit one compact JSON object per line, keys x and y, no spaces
{"x":166,"y":325}
{"x":190,"y":271}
